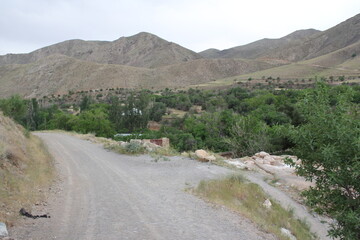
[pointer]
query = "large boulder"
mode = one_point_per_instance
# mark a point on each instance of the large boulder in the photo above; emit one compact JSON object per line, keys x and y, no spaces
{"x":267,"y":204}
{"x":204,"y":156}
{"x":262,"y":154}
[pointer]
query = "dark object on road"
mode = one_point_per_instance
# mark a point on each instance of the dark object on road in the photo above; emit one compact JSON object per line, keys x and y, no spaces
{"x":23,"y":212}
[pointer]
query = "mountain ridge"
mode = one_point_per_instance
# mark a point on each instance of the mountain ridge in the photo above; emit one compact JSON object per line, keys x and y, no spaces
{"x":258,"y":48}
{"x":140,"y":50}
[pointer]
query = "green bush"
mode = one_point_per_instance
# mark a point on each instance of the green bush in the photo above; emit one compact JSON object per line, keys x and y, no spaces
{"x":134,"y":148}
{"x":328,"y":143}
{"x":248,"y":136}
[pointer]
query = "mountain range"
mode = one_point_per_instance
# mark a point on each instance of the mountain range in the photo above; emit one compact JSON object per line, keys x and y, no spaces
{"x":148,"y":61}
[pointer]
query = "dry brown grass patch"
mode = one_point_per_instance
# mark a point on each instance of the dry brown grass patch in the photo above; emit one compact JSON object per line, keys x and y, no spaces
{"x":26,"y":169}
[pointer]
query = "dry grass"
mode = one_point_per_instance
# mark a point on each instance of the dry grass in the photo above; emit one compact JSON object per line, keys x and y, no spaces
{"x":69,"y":74}
{"x":338,"y":63}
{"x":112,"y":145}
{"x":175,"y":113}
{"x":247,"y":198}
{"x":26,"y":170}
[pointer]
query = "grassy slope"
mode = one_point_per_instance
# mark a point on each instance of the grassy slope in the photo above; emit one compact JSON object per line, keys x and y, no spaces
{"x":247,"y":198}
{"x":25,"y":168}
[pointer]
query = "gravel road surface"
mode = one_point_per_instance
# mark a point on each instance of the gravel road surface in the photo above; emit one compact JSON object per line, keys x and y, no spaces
{"x":104,"y":195}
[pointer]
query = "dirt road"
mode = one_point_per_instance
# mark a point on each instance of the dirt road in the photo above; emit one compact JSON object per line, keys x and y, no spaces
{"x":110,"y":196}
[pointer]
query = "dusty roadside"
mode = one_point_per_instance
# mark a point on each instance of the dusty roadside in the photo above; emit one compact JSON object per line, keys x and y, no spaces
{"x":104,"y":195}
{"x":26,"y":170}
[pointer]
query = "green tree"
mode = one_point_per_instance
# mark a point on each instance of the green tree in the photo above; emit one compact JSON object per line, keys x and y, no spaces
{"x":62,"y":121}
{"x":93,"y":121}
{"x":115,"y":112}
{"x":270,"y":115}
{"x":32,"y":116}
{"x":210,"y":129}
{"x":248,"y":136}
{"x":328,"y":143}
{"x":216,"y":104}
{"x":133,"y":114}
{"x":45,"y":115}
{"x":14,"y":107}
{"x":157,"y":111}
{"x":86,"y":102}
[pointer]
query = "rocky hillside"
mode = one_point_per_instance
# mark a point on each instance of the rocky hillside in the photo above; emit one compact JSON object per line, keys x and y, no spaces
{"x":260,"y":48}
{"x":335,"y":38}
{"x":341,"y":64}
{"x":57,"y":74}
{"x":26,"y":169}
{"x":140,"y":50}
{"x":297,"y":46}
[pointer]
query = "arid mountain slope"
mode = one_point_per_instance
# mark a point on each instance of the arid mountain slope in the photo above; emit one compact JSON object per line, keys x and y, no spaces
{"x":260,"y":48}
{"x":140,"y":50}
{"x":57,"y":74}
{"x":342,"y":62}
{"x":297,"y":46}
{"x":335,"y":38}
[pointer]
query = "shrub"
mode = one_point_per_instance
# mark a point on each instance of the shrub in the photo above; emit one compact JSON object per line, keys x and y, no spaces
{"x":134,"y":148}
{"x":248,"y":136}
{"x":129,"y":148}
{"x":329,"y":144}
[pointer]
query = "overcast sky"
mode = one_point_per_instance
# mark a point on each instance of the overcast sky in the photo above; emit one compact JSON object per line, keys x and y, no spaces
{"x":26,"y":25}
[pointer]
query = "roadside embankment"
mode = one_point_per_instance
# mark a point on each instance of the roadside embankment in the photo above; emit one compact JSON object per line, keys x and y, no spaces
{"x":26,"y":170}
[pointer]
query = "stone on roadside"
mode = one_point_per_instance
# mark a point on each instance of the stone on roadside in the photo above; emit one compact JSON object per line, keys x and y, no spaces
{"x":202,"y":155}
{"x":288,"y":234}
{"x":267,"y":204}
{"x":3,"y":230}
{"x":262,"y":154}
{"x":210,"y":158}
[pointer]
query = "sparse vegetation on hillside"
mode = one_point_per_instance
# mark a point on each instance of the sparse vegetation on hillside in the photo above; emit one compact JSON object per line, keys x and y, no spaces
{"x":26,"y":170}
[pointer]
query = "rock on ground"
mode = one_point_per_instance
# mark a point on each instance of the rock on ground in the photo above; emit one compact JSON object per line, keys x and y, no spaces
{"x":204,"y":156}
{"x":3,"y":230}
{"x":288,"y":234}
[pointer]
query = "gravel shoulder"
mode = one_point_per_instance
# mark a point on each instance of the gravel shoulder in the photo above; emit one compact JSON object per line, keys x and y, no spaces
{"x":318,"y":224}
{"x":104,"y":195}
